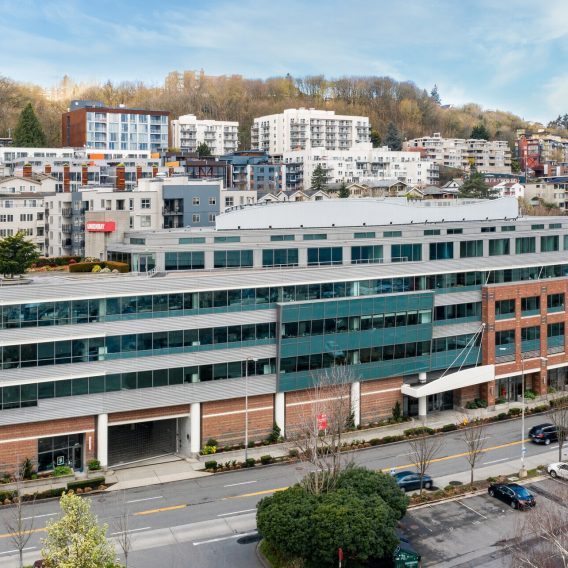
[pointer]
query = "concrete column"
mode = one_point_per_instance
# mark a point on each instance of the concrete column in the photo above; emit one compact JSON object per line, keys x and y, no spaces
{"x":102,"y":440}
{"x":195,"y":427}
{"x":280,"y":412}
{"x":422,"y":407}
{"x":356,"y":402}
{"x":184,"y":432}
{"x":422,"y":377}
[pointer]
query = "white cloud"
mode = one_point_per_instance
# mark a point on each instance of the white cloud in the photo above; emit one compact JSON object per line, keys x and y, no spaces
{"x":556,"y":95}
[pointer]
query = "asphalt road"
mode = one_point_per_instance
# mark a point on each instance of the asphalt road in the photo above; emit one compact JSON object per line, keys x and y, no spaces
{"x":202,"y":521}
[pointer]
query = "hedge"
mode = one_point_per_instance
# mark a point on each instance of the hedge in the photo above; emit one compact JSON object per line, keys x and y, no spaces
{"x":56,"y":260}
{"x":210,"y":464}
{"x":94,"y":482}
{"x":88,"y":266}
{"x":418,"y":431}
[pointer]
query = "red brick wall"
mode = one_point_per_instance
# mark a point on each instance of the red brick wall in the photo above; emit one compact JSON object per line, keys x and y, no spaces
{"x":466,"y":394}
{"x":148,"y":413}
{"x":378,"y":398}
{"x":224,"y":420}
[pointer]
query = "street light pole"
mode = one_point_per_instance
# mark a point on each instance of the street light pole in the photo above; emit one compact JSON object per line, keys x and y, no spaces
{"x":523,"y":471}
{"x":246,"y":405}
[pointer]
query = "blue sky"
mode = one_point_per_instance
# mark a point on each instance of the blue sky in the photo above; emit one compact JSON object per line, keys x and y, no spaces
{"x":506,"y":54}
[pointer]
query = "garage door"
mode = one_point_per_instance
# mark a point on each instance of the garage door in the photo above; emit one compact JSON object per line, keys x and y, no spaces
{"x":142,"y":440}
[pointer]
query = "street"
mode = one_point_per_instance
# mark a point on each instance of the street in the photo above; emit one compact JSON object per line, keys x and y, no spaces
{"x":210,"y":521}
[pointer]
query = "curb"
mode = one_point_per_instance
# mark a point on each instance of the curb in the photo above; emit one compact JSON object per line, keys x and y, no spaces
{"x":261,"y":558}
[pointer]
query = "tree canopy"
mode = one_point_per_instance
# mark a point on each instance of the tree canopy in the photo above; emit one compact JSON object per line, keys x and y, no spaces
{"x":203,"y":151}
{"x":435,"y":95}
{"x":476,"y":188}
{"x":319,"y":178}
{"x":17,"y":254}
{"x":393,"y":139}
{"x":28,"y":132}
{"x":76,"y":540}
{"x":480,"y":132}
{"x":343,"y":191}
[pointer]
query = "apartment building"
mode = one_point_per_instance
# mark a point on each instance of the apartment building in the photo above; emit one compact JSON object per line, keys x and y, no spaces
{"x":483,"y":155}
{"x":188,"y":132}
{"x":548,"y":190}
{"x":430,"y":305}
{"x":91,"y":125}
{"x":302,"y":129}
{"x":541,"y":152}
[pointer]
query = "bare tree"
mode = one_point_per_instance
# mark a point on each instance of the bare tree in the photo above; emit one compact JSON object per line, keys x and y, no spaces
{"x":20,"y":519}
{"x":324,"y":420}
{"x":559,"y":417}
{"x":474,"y":439}
{"x":423,"y":449}
{"x":541,"y":536}
{"x":122,"y":527}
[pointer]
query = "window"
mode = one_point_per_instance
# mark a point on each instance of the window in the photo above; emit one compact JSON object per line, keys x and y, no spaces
{"x":499,"y":247}
{"x":506,"y":228}
{"x":145,"y":203}
{"x":137,"y":241}
{"x":212,"y":201}
{"x":184,"y":260}
{"x":195,"y":218}
{"x":555,"y":226}
{"x":277,"y":238}
{"x":195,"y":201}
{"x":388,"y":234}
{"x":365,"y":235}
{"x":555,"y":329}
{"x":229,"y":201}
{"x":525,"y":245}
{"x":549,"y":243}
{"x":366,"y":254}
{"x":191,"y":240}
{"x":454,"y":231}
{"x":470,"y":249}
{"x":325,"y":256}
{"x":530,"y":333}
{"x":232,"y":259}
{"x":441,"y":251}
{"x":537,"y":227}
{"x":279,"y":257}
{"x":227,"y":239}
{"x":555,"y":302}
{"x":430,"y":232}
{"x":506,"y":337}
{"x":530,"y":305}
{"x":406,"y":253}
{"x":315,"y":237}
{"x":488,"y":229}
{"x":145,"y":221}
{"x":504,"y":309}
{"x":211,"y":217}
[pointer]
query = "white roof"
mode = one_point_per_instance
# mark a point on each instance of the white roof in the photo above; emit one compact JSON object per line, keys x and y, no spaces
{"x":362,"y":212}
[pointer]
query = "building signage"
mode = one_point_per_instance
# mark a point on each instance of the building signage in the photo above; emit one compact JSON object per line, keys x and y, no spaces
{"x":322,"y":421}
{"x":100,"y":226}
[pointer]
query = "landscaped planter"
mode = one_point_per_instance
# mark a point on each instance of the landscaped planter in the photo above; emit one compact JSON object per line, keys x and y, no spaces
{"x":43,"y":483}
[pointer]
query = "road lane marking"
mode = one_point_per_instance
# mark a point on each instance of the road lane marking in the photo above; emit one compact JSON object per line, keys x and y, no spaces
{"x":160,"y":510}
{"x":495,"y":461}
{"x":130,"y":531}
{"x":220,"y":539}
{"x":9,"y":535}
{"x":40,"y":516}
{"x":472,"y":510}
{"x":241,"y":483}
{"x":23,"y":550}
{"x":145,"y":499}
{"x":265,"y":492}
{"x":236,"y":512}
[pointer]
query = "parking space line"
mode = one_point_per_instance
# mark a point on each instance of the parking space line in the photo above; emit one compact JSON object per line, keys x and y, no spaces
{"x":471,"y":509}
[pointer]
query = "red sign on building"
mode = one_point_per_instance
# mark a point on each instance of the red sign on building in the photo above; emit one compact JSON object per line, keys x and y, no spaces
{"x":322,"y":421}
{"x":100,"y":226}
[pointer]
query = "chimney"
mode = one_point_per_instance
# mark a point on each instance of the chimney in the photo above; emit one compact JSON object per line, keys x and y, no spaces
{"x":66,"y":178}
{"x":47,"y":169}
{"x":27,"y":170}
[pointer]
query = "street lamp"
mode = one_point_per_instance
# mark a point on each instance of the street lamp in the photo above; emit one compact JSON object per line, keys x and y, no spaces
{"x":246,"y":405}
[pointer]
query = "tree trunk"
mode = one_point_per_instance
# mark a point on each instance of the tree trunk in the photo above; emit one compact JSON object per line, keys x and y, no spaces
{"x":471,"y":480}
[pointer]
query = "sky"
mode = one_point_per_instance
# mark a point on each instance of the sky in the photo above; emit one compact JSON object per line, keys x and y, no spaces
{"x":502,"y":54}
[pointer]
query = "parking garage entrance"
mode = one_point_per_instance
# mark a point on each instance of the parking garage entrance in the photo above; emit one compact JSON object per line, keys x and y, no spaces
{"x":137,"y":441}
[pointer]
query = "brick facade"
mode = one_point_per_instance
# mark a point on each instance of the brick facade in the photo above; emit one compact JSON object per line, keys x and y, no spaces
{"x":378,"y":398}
{"x":148,"y":414}
{"x":224,"y":420}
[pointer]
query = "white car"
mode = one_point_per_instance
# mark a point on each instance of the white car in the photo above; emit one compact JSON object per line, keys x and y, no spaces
{"x":559,"y":469}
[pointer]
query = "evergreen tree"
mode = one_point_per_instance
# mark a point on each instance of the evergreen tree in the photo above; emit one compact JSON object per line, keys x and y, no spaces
{"x":476,"y":188}
{"x":435,"y":95}
{"x":375,"y":138}
{"x":319,"y":179}
{"x":203,"y":151}
{"x":28,"y":132}
{"x":17,"y":254}
{"x":343,"y":191}
{"x":480,"y":132}
{"x":393,"y":139}
{"x":76,"y":540}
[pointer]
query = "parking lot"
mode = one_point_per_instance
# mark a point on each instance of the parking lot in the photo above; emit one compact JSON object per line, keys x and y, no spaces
{"x":473,"y":531}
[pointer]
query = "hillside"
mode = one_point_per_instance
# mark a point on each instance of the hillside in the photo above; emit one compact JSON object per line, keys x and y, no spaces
{"x":382,"y":99}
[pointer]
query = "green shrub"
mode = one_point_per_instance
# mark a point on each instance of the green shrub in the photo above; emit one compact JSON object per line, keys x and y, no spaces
{"x":274,"y":435}
{"x":449,"y":427}
{"x":6,"y":495}
{"x":90,"y":266}
{"x":374,"y":441}
{"x":208,"y":450}
{"x":212,"y":442}
{"x":249,"y":462}
{"x":27,"y":468}
{"x":61,"y":470}
{"x":418,"y":431}
{"x":541,"y":408}
{"x":94,"y":465}
{"x":250,"y":444}
{"x":502,"y":416}
{"x":391,"y":439}
{"x":265,"y":460}
{"x":94,"y":482}
{"x":210,"y":464}
{"x":396,"y":412}
{"x":514,"y":411}
{"x":57,"y":261}
{"x":500,"y":400}
{"x":293,"y":453}
{"x":530,"y":395}
{"x":120,"y":266}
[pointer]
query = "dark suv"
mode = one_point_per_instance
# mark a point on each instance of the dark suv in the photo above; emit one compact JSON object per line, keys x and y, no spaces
{"x":543,"y":434}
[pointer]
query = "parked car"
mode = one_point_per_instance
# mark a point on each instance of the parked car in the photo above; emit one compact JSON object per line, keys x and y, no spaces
{"x":513,"y":494}
{"x":409,"y":480}
{"x":543,"y":434}
{"x":558,"y":469}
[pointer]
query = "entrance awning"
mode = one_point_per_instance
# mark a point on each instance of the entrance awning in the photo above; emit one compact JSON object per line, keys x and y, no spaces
{"x":451,"y":381}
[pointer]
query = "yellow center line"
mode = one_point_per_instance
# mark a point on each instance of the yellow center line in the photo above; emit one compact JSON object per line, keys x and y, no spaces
{"x":7,"y":535}
{"x":265,"y":492}
{"x":160,"y":510}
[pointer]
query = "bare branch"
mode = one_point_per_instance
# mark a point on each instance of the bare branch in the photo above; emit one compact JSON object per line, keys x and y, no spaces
{"x":474,"y":439}
{"x":121,"y":525}
{"x":423,"y":450}
{"x":559,"y":417}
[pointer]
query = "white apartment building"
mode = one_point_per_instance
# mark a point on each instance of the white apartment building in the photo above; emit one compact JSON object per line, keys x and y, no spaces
{"x":188,"y":132}
{"x":26,"y":213}
{"x":486,"y":156}
{"x":303,"y":129}
{"x":510,"y":189}
{"x":364,"y":165}
{"x":555,"y":192}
